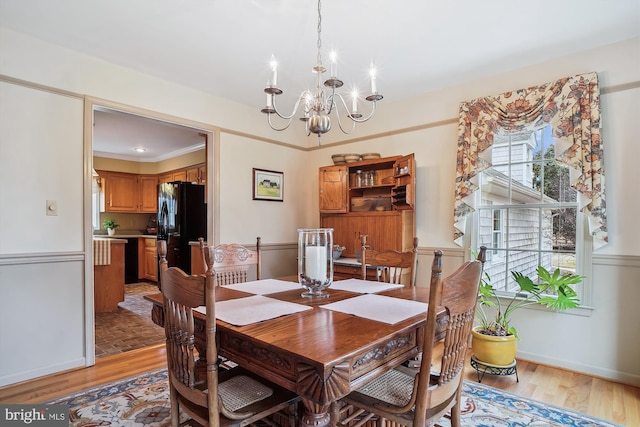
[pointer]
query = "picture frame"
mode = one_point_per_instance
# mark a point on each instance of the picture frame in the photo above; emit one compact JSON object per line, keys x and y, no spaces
{"x":268,"y":185}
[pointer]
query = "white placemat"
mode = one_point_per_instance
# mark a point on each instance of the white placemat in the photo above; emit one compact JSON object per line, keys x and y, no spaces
{"x":253,"y":309}
{"x":265,"y":286}
{"x":363,"y":286}
{"x":379,"y":307}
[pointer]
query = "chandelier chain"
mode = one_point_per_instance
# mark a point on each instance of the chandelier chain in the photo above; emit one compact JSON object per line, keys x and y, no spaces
{"x":319,"y":37}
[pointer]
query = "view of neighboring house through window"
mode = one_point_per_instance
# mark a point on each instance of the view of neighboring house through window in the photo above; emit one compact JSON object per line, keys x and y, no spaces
{"x":528,"y":211}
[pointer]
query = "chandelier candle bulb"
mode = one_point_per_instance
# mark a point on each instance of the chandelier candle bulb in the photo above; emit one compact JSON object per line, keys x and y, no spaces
{"x":354,"y":102}
{"x":372,"y":73}
{"x":334,"y":64}
{"x":274,"y":68}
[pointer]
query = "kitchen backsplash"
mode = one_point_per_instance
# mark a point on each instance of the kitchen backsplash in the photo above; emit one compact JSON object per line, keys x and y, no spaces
{"x":127,"y":221}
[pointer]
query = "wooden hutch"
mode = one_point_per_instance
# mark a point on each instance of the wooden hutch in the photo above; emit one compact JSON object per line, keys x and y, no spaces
{"x":384,"y":209}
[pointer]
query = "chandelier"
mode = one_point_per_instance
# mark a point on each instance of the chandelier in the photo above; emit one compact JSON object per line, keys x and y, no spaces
{"x":318,"y":105}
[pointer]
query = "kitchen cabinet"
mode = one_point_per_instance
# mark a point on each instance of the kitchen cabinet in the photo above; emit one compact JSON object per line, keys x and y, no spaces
{"x":148,"y":193}
{"x":127,"y":192}
{"x":108,"y":280}
{"x":180,"y":175}
{"x":196,"y":174}
{"x":120,"y":191}
{"x":382,"y":207}
{"x":193,"y":175}
{"x":165,"y":177}
{"x":202,"y":174}
{"x":147,"y":259}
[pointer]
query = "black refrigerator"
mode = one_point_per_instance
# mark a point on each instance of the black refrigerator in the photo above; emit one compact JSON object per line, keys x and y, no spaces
{"x":182,"y":218}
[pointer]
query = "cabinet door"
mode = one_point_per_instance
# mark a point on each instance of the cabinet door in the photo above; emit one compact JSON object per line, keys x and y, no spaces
{"x":164,"y":178}
{"x":202,"y":174}
{"x":148,"y":187}
{"x":150,"y":260}
{"x":333,"y":189}
{"x":121,"y":192}
{"x":193,"y":175}
{"x":180,"y":175}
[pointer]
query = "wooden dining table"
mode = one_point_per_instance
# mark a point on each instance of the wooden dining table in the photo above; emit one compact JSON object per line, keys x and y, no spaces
{"x":320,"y":354}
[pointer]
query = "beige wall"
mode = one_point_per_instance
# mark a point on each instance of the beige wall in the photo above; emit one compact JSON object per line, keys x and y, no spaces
{"x":424,"y":125}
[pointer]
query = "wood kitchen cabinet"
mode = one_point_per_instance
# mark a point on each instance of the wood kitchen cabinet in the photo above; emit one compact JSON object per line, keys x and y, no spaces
{"x":196,"y":174}
{"x":382,"y":209}
{"x":147,"y":259}
{"x":127,"y":192}
{"x":148,"y":193}
{"x":120,"y":191}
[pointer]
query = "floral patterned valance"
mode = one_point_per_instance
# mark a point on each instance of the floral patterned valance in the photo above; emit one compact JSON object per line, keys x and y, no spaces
{"x":572,"y":106}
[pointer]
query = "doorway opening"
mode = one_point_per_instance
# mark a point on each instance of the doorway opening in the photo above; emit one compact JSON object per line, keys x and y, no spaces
{"x":127,"y":144}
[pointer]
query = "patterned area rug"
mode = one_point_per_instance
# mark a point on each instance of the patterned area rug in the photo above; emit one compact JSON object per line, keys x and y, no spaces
{"x":144,"y":401}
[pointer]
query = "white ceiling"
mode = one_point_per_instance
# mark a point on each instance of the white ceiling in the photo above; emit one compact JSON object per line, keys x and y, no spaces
{"x":117,"y":135}
{"x":223,"y":47}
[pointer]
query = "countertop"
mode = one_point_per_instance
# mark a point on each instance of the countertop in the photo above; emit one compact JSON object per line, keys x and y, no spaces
{"x":351,"y":262}
{"x":113,"y":239}
{"x":126,"y":235}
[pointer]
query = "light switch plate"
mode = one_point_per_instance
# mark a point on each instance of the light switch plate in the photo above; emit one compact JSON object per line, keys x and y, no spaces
{"x":52,"y":208}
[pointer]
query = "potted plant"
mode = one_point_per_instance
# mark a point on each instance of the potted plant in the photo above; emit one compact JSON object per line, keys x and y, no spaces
{"x":494,"y":339}
{"x":111,"y":226}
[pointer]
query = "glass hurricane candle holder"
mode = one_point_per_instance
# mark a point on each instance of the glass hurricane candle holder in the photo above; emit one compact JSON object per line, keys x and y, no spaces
{"x":315,"y":261}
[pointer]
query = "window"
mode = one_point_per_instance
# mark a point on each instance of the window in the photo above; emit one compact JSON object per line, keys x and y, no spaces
{"x":527,"y":212}
{"x":95,"y":203}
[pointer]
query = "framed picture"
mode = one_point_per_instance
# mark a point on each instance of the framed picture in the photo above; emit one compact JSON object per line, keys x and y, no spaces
{"x":268,"y":185}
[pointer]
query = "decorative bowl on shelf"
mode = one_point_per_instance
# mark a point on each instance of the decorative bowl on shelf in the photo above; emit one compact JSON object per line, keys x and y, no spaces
{"x":370,"y":156}
{"x":350,"y":158}
{"x":338,"y":159}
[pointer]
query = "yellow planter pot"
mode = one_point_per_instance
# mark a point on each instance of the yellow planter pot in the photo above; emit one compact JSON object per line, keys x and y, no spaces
{"x":499,"y":351}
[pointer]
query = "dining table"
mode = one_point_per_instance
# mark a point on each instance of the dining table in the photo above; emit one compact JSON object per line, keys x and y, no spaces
{"x":320,"y":348}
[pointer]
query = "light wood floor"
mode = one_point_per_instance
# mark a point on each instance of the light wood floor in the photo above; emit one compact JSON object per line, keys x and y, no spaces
{"x":594,"y":396}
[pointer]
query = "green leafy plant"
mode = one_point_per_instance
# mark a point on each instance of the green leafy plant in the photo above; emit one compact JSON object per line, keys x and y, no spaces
{"x":551,"y":290}
{"x":109,"y":223}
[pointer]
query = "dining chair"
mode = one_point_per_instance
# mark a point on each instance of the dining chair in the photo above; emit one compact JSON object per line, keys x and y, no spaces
{"x":211,"y":396}
{"x":232,"y":262}
{"x":409,"y":398}
{"x":392,"y":266}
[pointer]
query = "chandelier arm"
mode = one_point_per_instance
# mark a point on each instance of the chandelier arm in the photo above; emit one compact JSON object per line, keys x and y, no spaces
{"x":348,"y":132}
{"x":364,"y":119}
{"x":277,"y":128}
{"x":344,"y":104}
{"x":302,"y":96}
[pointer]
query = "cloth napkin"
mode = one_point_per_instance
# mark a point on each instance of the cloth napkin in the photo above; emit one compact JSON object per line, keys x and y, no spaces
{"x":253,"y":309}
{"x":264,"y":287}
{"x":379,"y":307}
{"x":363,"y":286}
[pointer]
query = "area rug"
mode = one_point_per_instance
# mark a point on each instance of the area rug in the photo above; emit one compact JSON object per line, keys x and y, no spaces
{"x":144,"y":401}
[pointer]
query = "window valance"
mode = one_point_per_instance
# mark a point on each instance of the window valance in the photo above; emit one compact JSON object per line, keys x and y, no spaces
{"x":571,"y":106}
